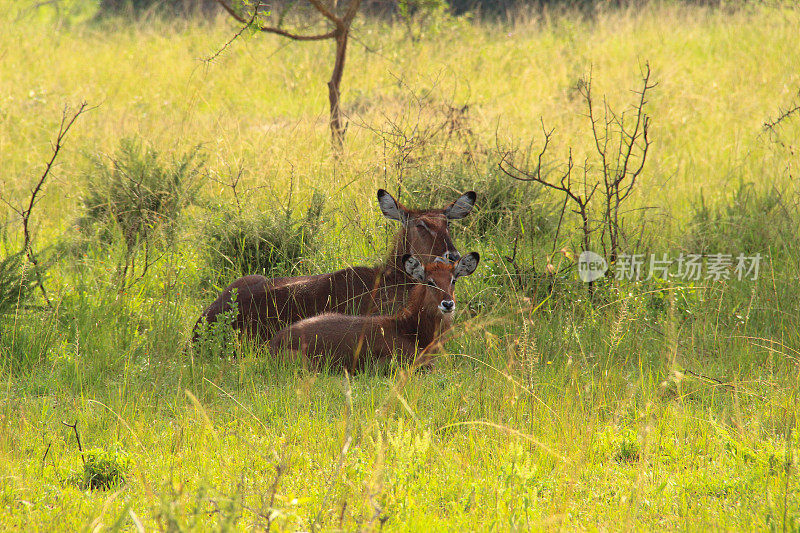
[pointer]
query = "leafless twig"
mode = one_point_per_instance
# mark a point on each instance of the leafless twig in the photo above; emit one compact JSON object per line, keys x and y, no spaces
{"x":773,"y":125}
{"x":620,"y":170}
{"x":77,"y":438}
{"x":563,"y":183}
{"x":280,"y":469}
{"x":25,"y":212}
{"x":44,"y":456}
{"x":233,"y":185}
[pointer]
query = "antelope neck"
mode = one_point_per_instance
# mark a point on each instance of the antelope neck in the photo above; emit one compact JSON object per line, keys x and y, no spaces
{"x":416,"y":320}
{"x":393,"y":271}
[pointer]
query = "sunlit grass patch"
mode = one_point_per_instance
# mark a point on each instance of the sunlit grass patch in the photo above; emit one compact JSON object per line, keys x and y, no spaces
{"x":664,"y":403}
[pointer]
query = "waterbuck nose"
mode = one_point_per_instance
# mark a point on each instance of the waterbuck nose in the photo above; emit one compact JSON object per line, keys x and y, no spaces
{"x":448,"y":306}
{"x":453,"y":256}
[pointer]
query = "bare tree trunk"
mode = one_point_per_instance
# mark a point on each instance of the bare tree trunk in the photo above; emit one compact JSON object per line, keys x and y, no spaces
{"x":337,"y":126}
{"x":340,"y":33}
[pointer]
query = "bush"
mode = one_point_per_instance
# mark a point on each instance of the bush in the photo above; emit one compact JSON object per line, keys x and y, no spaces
{"x":502,"y":206}
{"x":218,"y":338}
{"x":754,"y":221}
{"x":619,"y":444}
{"x":16,"y":283}
{"x":139,"y":193}
{"x":261,"y":243}
{"x":103,"y":469}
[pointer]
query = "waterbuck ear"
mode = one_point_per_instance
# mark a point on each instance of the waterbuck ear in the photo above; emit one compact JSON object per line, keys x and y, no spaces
{"x":413,"y":267}
{"x":466,"y":265}
{"x":461,"y":207}
{"x":390,"y":208}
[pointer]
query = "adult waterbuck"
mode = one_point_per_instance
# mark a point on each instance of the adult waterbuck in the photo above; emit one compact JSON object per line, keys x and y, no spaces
{"x":266,"y":305}
{"x":413,"y":334}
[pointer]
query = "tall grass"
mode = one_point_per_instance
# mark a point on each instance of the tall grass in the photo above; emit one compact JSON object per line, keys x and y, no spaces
{"x":658,"y":404}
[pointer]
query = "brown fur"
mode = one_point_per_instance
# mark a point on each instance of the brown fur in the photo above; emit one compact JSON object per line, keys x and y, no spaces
{"x":267,"y":305}
{"x":343,"y":341}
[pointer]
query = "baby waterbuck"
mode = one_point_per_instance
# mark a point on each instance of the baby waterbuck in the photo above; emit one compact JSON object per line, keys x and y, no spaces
{"x":267,"y":305}
{"x":413,"y":333}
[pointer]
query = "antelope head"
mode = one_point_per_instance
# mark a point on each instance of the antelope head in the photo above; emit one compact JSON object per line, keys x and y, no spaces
{"x":440,"y":278}
{"x":426,"y":232}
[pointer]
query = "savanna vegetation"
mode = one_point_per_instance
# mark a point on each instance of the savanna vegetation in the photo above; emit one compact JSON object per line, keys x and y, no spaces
{"x":657,"y":403}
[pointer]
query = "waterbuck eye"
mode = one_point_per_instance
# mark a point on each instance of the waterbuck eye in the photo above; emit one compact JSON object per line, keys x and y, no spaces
{"x":431,"y":283}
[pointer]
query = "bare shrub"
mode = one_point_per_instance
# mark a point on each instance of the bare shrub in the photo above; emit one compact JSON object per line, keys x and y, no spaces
{"x":25,"y":211}
{"x":621,"y":144}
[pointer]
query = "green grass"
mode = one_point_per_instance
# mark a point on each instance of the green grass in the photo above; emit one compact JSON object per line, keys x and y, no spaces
{"x":658,"y":405}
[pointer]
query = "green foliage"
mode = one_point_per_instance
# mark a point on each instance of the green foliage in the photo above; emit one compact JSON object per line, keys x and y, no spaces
{"x":754,"y":220}
{"x":408,"y":8}
{"x":16,"y":282}
{"x":265,"y":242}
{"x":103,"y":469}
{"x":424,"y":17}
{"x":505,"y":206}
{"x":218,"y":338}
{"x":619,"y":444}
{"x":26,"y":344}
{"x":139,"y":193}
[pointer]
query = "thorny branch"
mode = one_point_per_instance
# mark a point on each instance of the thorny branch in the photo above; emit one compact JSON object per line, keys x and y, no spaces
{"x":772,"y":125}
{"x":247,"y":24}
